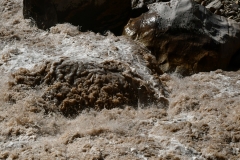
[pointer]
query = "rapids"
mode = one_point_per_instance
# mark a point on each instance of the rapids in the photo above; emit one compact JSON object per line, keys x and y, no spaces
{"x":195,"y":117}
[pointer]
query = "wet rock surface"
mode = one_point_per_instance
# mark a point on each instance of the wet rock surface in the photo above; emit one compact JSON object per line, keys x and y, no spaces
{"x":94,"y":15}
{"x":227,"y":8}
{"x":185,"y":37}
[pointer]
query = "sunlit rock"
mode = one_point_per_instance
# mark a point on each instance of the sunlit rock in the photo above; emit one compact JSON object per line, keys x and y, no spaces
{"x":185,"y":37}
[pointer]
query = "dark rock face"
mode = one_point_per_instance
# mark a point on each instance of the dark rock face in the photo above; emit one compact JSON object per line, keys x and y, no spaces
{"x":95,"y":15}
{"x":185,"y":37}
{"x":42,"y":12}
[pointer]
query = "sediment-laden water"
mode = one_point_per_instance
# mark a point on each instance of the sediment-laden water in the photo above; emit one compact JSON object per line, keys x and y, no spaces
{"x":67,"y":94}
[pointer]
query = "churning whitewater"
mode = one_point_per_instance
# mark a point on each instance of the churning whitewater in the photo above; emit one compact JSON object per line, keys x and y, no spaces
{"x":67,"y":94}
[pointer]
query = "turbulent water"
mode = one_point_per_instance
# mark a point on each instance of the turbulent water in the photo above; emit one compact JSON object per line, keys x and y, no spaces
{"x":198,"y":116}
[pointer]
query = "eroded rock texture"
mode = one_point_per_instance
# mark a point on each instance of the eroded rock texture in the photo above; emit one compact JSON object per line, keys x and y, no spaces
{"x":185,"y":37}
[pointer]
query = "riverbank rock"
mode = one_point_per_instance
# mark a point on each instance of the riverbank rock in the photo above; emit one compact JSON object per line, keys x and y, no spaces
{"x":95,"y":15}
{"x":185,"y":37}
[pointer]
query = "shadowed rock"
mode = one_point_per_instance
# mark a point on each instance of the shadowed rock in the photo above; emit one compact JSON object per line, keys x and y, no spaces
{"x":185,"y":37}
{"x":95,"y":15}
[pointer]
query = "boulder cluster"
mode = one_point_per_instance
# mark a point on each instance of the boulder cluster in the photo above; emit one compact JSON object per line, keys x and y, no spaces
{"x":184,"y":36}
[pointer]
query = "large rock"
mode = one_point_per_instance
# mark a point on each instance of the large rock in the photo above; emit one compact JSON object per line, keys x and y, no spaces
{"x":95,"y":15}
{"x":186,"y":37}
{"x":136,"y":4}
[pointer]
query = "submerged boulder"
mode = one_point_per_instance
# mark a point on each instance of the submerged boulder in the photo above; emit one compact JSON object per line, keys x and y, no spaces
{"x":185,"y":37}
{"x":87,"y":70}
{"x":136,"y":4}
{"x":73,"y":86}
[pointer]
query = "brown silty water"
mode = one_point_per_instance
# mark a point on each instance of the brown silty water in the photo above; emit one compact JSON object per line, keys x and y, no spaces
{"x":66,"y":94}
